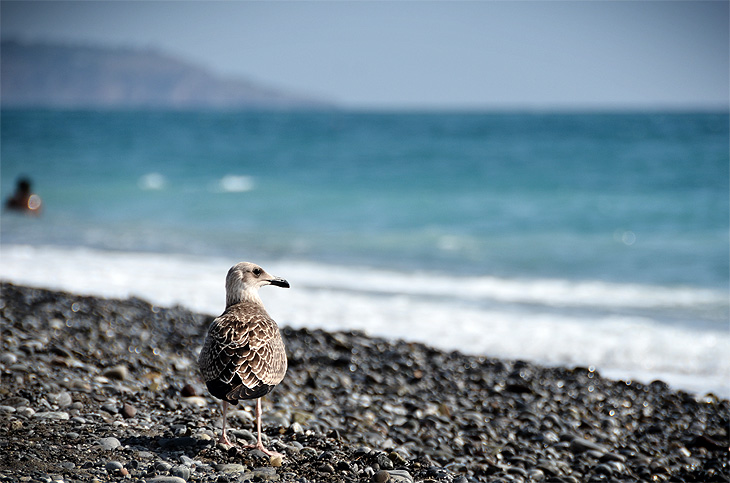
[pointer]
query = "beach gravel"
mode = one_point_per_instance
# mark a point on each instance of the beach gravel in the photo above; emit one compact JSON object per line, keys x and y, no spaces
{"x":95,"y":389}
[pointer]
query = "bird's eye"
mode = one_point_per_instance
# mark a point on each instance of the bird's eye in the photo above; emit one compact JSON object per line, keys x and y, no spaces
{"x":257,"y":271}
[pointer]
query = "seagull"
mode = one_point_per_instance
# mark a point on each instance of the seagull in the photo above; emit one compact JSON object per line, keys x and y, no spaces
{"x":243,"y":356}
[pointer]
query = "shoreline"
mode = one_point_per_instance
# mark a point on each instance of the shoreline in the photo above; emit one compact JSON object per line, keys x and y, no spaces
{"x":97,"y":388}
{"x":549,"y":322}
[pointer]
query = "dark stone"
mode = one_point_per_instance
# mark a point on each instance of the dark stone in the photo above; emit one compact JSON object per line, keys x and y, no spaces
{"x":128,"y":411}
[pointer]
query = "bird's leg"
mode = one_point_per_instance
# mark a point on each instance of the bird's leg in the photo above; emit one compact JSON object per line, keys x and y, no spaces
{"x":260,"y":445}
{"x":224,"y":439}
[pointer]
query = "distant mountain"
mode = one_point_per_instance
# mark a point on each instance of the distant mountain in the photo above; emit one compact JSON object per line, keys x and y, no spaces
{"x":74,"y":76}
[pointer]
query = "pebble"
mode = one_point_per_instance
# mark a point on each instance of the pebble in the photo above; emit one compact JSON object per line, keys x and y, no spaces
{"x":198,"y":401}
{"x":610,"y":456}
{"x":381,"y":476}
{"x":119,"y":372}
{"x":536,"y":474}
{"x":604,"y":469}
{"x":58,"y":415}
{"x":109,"y":444}
{"x":580,"y":445}
{"x":17,"y":402}
{"x":384,"y":462}
{"x":128,"y":411}
{"x":188,"y":390}
{"x":63,"y":399}
{"x":230,"y":468}
{"x":110,"y":407}
{"x":296,"y":428}
{"x":266,"y":474}
{"x":397,"y":458}
{"x":400,"y":476}
{"x":181,"y":471}
{"x":113,"y":466}
{"x":8,"y":358}
{"x":27,"y":412}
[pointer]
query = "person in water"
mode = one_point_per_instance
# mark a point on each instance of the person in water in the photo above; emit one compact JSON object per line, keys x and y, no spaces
{"x":24,"y":200}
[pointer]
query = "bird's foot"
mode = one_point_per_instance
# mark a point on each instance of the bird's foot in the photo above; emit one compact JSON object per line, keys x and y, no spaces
{"x":259,"y":446}
{"x":224,"y":440}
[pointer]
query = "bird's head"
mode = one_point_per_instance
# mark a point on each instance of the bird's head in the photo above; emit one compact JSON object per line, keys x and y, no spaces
{"x":244,"y":281}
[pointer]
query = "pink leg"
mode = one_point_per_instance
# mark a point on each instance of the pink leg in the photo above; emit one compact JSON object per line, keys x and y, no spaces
{"x":259,"y":445}
{"x":224,"y":439}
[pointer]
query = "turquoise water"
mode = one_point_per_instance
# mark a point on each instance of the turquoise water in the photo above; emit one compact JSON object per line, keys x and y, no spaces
{"x":617,"y":197}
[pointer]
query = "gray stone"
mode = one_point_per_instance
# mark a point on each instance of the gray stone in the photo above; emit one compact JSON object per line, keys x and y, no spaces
{"x":580,"y":445}
{"x":266,"y":474}
{"x":109,"y":444}
{"x":294,"y":447}
{"x":614,"y":457}
{"x":244,"y":434}
{"x":397,"y":458}
{"x":17,"y":402}
{"x":181,"y":471}
{"x":55,"y":415}
{"x":604,"y":469}
{"x":4,"y":410}
{"x":112,"y":466}
{"x":362,"y":450}
{"x":119,"y":373}
{"x":26,"y":412}
{"x":8,"y":358}
{"x":63,"y":399}
{"x":384,"y":462}
{"x":110,"y":407}
{"x":230,"y":468}
{"x":536,"y":475}
{"x":400,"y":476}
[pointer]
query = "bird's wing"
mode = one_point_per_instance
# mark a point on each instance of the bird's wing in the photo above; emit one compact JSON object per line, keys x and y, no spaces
{"x":267,"y":356}
{"x":244,"y":344}
{"x":224,"y":348}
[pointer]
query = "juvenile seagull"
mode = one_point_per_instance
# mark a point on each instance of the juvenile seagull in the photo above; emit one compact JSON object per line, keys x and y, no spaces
{"x":243,"y":356}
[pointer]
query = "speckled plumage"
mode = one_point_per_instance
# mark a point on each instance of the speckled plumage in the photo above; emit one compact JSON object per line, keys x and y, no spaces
{"x":243,"y":356}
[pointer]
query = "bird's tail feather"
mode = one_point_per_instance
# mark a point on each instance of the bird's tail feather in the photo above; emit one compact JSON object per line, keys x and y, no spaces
{"x":243,"y":392}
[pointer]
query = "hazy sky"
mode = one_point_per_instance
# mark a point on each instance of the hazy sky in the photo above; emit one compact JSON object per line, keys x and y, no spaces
{"x":527,"y":54}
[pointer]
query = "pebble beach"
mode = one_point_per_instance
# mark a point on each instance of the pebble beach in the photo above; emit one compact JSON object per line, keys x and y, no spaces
{"x":96,"y":389}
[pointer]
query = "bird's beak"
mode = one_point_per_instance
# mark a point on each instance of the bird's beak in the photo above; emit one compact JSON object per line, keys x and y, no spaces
{"x":279,"y":282}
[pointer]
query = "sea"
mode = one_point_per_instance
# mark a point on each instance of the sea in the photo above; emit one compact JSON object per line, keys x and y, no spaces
{"x":578,"y":239}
